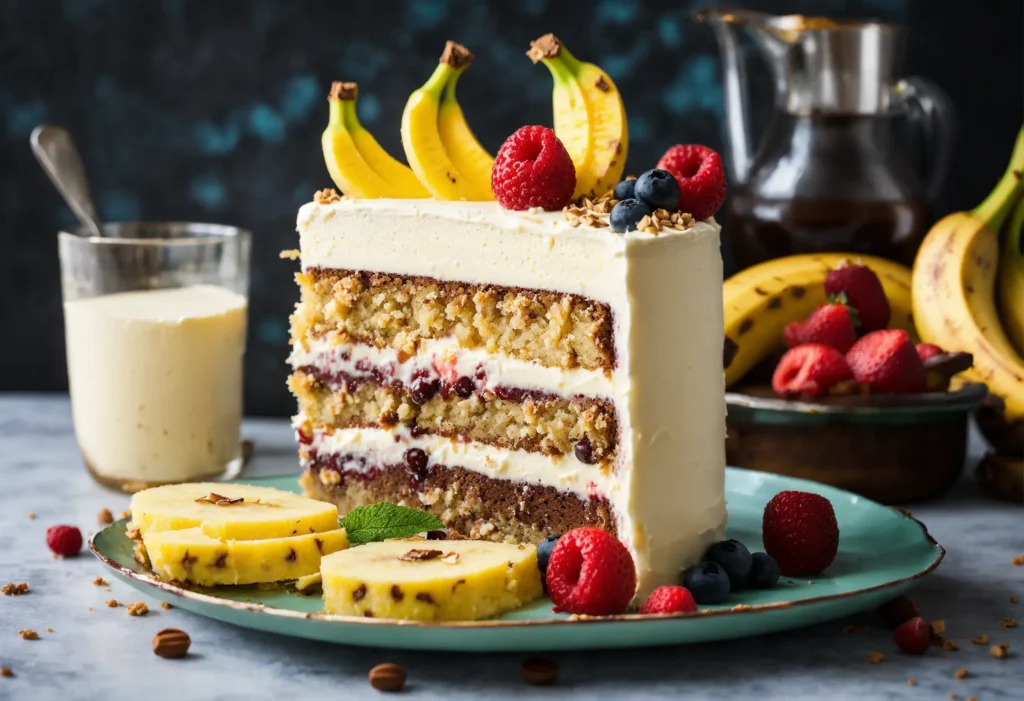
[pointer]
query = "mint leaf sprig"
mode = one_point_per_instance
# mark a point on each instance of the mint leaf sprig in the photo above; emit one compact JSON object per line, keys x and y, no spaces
{"x":384,"y":520}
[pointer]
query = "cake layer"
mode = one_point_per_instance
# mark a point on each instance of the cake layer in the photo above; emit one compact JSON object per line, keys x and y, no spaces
{"x":469,"y":502}
{"x":364,"y":450}
{"x":396,"y":311}
{"x":514,"y":419}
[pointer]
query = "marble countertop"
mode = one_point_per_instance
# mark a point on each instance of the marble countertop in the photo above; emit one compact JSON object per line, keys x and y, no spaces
{"x":97,"y":652}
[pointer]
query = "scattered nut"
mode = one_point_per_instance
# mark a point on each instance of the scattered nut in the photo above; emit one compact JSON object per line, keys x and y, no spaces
{"x":99,"y":582}
{"x":1000,"y":651}
{"x":950,"y":645}
{"x":1018,"y":560}
{"x":911,"y":681}
{"x":980,"y":640}
{"x":28,"y":635}
{"x":387,"y":677}
{"x":6,"y":672}
{"x":104,"y":517}
{"x":113,"y":603}
{"x":139,"y":608}
{"x":1009,"y":623}
{"x":875,"y":657}
{"x":539,"y":671}
{"x":12,"y":589}
{"x":32,"y":515}
{"x":326,"y":196}
{"x":1014,"y":600}
{"x":165,"y":605}
{"x":938,"y":627}
{"x":170,"y":643}
{"x":961,"y":673}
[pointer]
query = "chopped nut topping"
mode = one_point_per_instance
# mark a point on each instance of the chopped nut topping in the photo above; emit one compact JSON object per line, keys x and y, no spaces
{"x":414,"y":555}
{"x":113,"y":603}
{"x":139,"y":608}
{"x":133,"y":533}
{"x":1000,"y":651}
{"x":99,"y":582}
{"x":1009,"y":623}
{"x":950,"y":645}
{"x":12,"y":589}
{"x":451,"y":558}
{"x":961,"y":673}
{"x":980,"y":640}
{"x":290,"y":254}
{"x":104,"y":517}
{"x":28,"y":635}
{"x":219,"y":500}
{"x":875,"y":657}
{"x":328,"y":196}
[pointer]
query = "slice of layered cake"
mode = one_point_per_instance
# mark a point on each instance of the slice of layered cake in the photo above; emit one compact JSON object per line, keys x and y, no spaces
{"x":516,"y":373}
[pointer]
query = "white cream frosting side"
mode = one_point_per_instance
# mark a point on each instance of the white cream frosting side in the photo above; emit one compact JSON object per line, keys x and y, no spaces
{"x":379,"y":447}
{"x":665,"y":295}
{"x":445,"y":359}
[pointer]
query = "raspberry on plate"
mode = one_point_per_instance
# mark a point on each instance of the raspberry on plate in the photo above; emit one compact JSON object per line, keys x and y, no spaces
{"x":800,"y":532}
{"x":65,"y":541}
{"x":533,"y":169}
{"x":831,"y":324}
{"x":698,"y":169}
{"x":669,"y":599}
{"x":887,"y":361}
{"x":591,"y":572}
{"x":863,"y":292}
{"x":809,"y":370}
{"x":913,"y":636}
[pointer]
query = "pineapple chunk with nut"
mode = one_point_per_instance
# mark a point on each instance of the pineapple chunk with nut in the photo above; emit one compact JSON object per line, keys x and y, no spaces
{"x":230,"y":511}
{"x":414,"y":579}
{"x":192,"y":556}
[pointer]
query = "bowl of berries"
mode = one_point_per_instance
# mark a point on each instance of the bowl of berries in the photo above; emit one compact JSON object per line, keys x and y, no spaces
{"x":826,"y":380}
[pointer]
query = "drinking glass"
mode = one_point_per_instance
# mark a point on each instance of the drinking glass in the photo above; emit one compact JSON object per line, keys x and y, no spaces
{"x":154,"y":325}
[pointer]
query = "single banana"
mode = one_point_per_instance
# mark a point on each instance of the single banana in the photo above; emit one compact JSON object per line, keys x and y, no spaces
{"x":424,"y":148}
{"x":761,"y":300}
{"x":954,"y":290}
{"x":348,"y":169}
{"x":467,"y":155}
{"x":404,"y":182}
{"x":589,"y":117}
{"x":1011,"y":279}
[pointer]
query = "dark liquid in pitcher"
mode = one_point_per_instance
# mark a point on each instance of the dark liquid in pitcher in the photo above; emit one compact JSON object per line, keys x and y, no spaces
{"x":828,"y":183}
{"x":762,"y":229}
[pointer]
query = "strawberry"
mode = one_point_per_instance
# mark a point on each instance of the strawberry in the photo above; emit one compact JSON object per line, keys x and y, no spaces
{"x":832,"y":324}
{"x":65,"y":541}
{"x":913,"y":636}
{"x":669,"y":599}
{"x":810,"y":369}
{"x":591,"y":572}
{"x":927,"y":350}
{"x":800,"y":532}
{"x":863,"y":292}
{"x":887,"y":362}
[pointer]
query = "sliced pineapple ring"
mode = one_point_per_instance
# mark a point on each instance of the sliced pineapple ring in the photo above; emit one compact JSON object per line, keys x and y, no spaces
{"x":192,"y":556}
{"x":423,"y":580}
{"x":262,"y":513}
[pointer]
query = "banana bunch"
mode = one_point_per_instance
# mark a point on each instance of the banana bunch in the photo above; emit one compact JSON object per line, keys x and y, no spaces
{"x":359,"y":166}
{"x":439,"y":145}
{"x":954,"y":289}
{"x":1011,"y":279}
{"x":761,"y":300}
{"x":589,"y":117}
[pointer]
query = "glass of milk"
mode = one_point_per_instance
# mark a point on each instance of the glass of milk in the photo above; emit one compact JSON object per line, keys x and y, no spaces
{"x":154,"y":323}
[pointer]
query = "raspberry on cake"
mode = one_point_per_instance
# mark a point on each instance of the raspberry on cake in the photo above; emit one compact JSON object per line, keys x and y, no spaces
{"x":515,"y":373}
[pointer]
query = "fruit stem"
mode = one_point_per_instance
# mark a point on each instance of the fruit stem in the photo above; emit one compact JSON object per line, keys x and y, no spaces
{"x":449,"y":89}
{"x":1000,"y":201}
{"x":348,"y":114}
{"x":435,"y":84}
{"x":337,"y":117}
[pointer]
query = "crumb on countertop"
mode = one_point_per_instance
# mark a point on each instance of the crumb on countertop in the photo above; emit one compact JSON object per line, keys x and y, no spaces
{"x":911,"y":681}
{"x":1000,"y":651}
{"x":139,"y":608}
{"x":6,"y":672}
{"x":28,"y":634}
{"x":962,"y":673}
{"x":950,"y":645}
{"x":1018,"y":560}
{"x":165,"y":605}
{"x":49,"y":630}
{"x":113,"y":603}
{"x":104,"y":517}
{"x":980,"y":639}
{"x":32,"y":515}
{"x":875,"y":657}
{"x":12,"y":589}
{"x":1009,"y":623}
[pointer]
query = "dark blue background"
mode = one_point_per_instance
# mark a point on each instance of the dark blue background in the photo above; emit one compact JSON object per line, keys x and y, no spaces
{"x":212,"y":111}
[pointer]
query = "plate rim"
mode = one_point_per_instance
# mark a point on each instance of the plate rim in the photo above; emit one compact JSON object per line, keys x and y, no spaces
{"x":634,"y":618}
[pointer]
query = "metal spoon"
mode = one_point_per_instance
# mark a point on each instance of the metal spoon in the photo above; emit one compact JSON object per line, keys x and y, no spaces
{"x":56,"y":153}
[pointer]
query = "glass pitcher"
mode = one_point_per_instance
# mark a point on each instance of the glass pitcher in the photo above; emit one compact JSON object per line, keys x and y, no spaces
{"x":831,"y":172}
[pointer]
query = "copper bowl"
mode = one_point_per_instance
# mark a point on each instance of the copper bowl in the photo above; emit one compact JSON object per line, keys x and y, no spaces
{"x":889,"y":448}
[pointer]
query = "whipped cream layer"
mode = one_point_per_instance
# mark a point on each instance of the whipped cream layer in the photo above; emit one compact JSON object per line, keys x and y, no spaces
{"x":445,"y":359}
{"x":376,"y":447}
{"x":665,"y":294}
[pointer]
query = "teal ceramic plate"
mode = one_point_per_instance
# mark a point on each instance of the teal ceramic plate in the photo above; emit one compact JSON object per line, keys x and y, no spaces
{"x":882,"y":552}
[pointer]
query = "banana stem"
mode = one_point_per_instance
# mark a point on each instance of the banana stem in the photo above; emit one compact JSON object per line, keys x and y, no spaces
{"x":337,"y":117}
{"x":449,"y":89}
{"x":1000,"y":201}
{"x":438,"y":79}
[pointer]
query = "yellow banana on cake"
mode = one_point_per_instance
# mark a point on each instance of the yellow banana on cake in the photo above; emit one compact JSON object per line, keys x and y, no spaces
{"x":428,"y":580}
{"x":589,"y":117}
{"x":230,"y":511}
{"x":189,"y":555}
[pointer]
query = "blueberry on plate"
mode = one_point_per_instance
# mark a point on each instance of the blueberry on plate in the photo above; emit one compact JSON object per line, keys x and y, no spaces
{"x":707,"y":582}
{"x":659,"y":189}
{"x":627,"y":213}
{"x":544,"y":549}
{"x":765,"y":572}
{"x":624,"y":190}
{"x":733,"y":557}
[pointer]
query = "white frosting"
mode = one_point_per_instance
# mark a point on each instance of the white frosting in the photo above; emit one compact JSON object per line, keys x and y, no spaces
{"x":378,"y":447}
{"x":445,"y":359}
{"x":665,"y":295}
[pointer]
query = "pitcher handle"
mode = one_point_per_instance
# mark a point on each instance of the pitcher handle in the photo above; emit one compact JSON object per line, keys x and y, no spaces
{"x":931,"y":110}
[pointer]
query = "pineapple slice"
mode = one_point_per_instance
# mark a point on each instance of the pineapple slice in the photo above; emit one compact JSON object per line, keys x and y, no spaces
{"x":192,"y":556}
{"x":262,"y":512}
{"x":423,"y":580}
